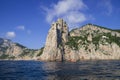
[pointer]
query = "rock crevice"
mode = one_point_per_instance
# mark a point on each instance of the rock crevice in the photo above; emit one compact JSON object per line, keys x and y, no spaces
{"x":84,"y":43}
{"x":56,"y":39}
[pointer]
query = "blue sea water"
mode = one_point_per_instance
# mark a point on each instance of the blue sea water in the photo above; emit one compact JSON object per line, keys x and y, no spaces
{"x":83,"y":70}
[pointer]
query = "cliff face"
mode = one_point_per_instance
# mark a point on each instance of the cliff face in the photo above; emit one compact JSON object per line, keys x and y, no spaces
{"x":56,"y":39}
{"x":8,"y":47}
{"x":10,"y":50}
{"x":85,"y":43}
{"x":88,"y":42}
{"x":93,"y":42}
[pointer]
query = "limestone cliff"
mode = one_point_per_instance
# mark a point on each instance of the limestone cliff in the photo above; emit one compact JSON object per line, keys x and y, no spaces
{"x":91,"y":42}
{"x":11,"y":50}
{"x":56,"y":39}
{"x":84,"y":43}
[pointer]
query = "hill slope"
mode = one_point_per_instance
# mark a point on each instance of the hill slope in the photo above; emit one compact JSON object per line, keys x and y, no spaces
{"x":89,"y":42}
{"x":84,"y":43}
{"x":94,"y":42}
{"x":10,"y":50}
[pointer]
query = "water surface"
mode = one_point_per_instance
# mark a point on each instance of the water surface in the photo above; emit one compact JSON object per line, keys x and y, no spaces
{"x":83,"y":70}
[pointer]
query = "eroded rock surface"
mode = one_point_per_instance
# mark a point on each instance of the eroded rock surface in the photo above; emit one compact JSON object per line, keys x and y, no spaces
{"x":88,"y":42}
{"x":56,"y":39}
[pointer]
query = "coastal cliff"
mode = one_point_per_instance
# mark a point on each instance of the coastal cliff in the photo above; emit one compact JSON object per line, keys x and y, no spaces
{"x":55,"y":43}
{"x":89,"y":42}
{"x":15,"y":51}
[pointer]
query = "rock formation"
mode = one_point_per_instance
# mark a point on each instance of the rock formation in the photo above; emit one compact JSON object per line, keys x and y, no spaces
{"x":84,"y":43}
{"x":89,"y":42}
{"x":56,"y":39}
{"x":93,"y":42}
{"x":10,"y":50}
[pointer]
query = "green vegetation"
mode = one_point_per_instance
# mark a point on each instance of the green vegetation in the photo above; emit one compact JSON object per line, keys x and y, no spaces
{"x":102,"y":27}
{"x":24,"y":53}
{"x":4,"y":56}
{"x":96,"y":40}
{"x":41,"y":51}
{"x":117,"y":30}
{"x":1,"y":43}
{"x":73,"y":30}
{"x":20,"y":45}
{"x":3,"y":49}
{"x":12,"y":57}
{"x":111,"y":39}
{"x":106,"y":53}
{"x":29,"y":52}
{"x":73,"y":42}
{"x":98,"y":26}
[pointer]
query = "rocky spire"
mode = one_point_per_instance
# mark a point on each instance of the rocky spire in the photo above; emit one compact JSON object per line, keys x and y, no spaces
{"x":55,"y":42}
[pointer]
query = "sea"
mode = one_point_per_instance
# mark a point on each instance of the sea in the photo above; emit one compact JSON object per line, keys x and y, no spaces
{"x":82,"y":70}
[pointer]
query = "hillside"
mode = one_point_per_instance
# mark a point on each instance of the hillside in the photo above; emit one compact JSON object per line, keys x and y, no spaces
{"x":89,"y":42}
{"x":15,"y":51}
{"x":85,"y":43}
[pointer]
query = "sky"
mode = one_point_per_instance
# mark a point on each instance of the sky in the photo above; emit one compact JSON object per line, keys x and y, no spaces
{"x":28,"y":21}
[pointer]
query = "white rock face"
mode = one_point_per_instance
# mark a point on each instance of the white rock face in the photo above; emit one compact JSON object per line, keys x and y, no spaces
{"x":90,"y":28}
{"x":71,"y":55}
{"x":9,"y":48}
{"x":15,"y":51}
{"x":56,"y":39}
{"x":106,"y":47}
{"x":89,"y":42}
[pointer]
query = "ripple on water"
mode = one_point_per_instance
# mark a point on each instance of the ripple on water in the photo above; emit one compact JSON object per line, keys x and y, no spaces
{"x":83,"y":70}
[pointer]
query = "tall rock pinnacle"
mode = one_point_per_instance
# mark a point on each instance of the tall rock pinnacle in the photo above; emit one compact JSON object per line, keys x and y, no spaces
{"x":55,"y":42}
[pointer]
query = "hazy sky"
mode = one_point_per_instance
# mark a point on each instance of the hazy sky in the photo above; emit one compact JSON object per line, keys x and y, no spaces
{"x":28,"y":21}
